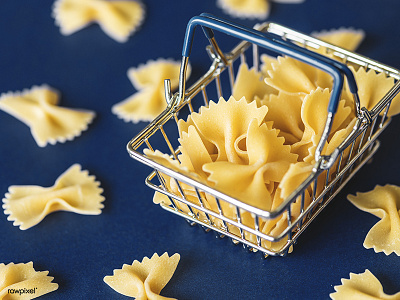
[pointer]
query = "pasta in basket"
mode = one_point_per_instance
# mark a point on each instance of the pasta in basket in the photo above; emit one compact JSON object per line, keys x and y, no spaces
{"x":238,"y":153}
{"x":347,"y":38}
{"x":259,"y":146}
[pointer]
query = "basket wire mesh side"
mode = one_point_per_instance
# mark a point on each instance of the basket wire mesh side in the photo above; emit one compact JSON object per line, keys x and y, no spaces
{"x":324,"y":183}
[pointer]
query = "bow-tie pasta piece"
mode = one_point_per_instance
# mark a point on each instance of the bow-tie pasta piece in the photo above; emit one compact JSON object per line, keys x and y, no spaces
{"x":361,"y":286}
{"x":310,"y":77}
{"x":371,"y":89}
{"x":383,"y":202}
{"x":166,"y":161}
{"x":294,"y":176}
{"x":285,"y":112}
{"x":314,"y":111}
{"x":347,"y":38}
{"x":268,"y":161}
{"x":172,"y":187}
{"x":249,"y":83}
{"x":49,"y":123}
{"x":195,"y":150}
{"x":148,"y":80}
{"x":14,"y":277}
{"x":266,"y":61}
{"x":118,"y":19}
{"x":294,"y":77}
{"x":251,"y":9}
{"x":74,"y":190}
{"x":144,"y":280}
{"x":216,"y":133}
{"x":223,"y":125}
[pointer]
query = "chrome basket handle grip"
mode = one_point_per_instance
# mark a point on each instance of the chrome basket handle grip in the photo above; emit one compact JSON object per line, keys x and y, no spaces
{"x":275,"y":43}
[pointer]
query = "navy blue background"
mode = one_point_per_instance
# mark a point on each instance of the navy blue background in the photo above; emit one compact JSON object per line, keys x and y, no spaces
{"x":89,"y":69}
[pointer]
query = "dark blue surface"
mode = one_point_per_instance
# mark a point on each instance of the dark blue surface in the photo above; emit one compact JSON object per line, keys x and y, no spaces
{"x":89,"y":69}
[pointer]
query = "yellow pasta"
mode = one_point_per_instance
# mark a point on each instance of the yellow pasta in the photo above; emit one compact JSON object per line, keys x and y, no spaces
{"x":361,"y":286}
{"x":148,"y":80}
{"x":383,"y":202}
{"x":313,"y":114}
{"x":224,"y":143}
{"x":252,"y":9}
{"x":295,"y":175}
{"x":294,"y":77}
{"x":285,"y":112}
{"x":268,"y":161}
{"x":119,"y":19}
{"x":259,"y":146}
{"x":49,"y":123}
{"x":21,"y":281}
{"x":172,"y":164}
{"x":74,"y":190}
{"x":371,"y":89}
{"x":347,"y":38}
{"x":250,"y":84}
{"x":144,"y":280}
{"x":190,"y":193}
{"x":224,"y":124}
{"x":237,"y":152}
{"x":266,"y":62}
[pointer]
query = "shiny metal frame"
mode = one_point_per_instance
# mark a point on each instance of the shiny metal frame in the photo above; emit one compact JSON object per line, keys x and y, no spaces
{"x":334,"y":170}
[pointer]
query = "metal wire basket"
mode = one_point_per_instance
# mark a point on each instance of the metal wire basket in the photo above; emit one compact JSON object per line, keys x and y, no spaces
{"x":331,"y":172}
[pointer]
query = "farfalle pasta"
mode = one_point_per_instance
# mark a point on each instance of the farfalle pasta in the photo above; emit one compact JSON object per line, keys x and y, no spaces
{"x":260,"y":145}
{"x":294,"y":77}
{"x":285,"y":112}
{"x":268,"y":160}
{"x":148,"y":80}
{"x":49,"y":123}
{"x":252,"y":9}
{"x":383,"y":202}
{"x":172,"y":186}
{"x":250,"y":85}
{"x":22,"y":281}
{"x":144,"y":280}
{"x":222,"y":125}
{"x":314,"y":112}
{"x":294,"y":176}
{"x":204,"y":140}
{"x":372,"y":87}
{"x":347,"y":38}
{"x":361,"y":286}
{"x":230,"y":147}
{"x":233,"y":147}
{"x":74,"y":190}
{"x":119,"y":19}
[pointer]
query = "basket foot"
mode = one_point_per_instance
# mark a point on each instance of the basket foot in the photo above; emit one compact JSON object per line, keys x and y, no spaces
{"x":191,"y":223}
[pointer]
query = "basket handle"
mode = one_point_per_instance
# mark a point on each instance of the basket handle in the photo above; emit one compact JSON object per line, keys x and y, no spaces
{"x":273,"y":42}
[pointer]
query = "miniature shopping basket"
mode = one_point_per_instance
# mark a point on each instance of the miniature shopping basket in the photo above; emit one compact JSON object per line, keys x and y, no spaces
{"x":331,"y":172}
